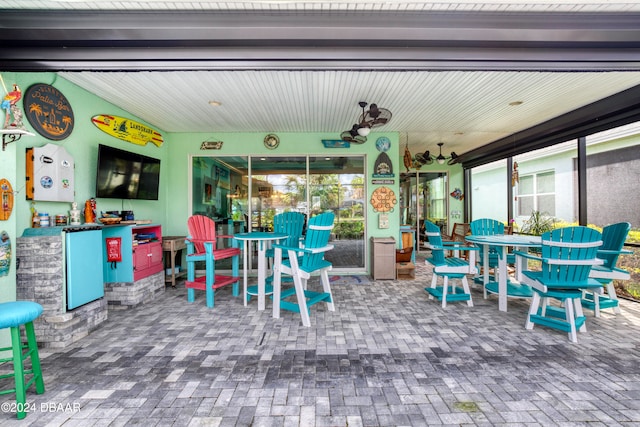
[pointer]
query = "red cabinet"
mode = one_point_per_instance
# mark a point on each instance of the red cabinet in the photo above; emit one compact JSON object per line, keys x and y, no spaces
{"x":141,"y":252}
{"x":147,"y":251}
{"x":147,"y":260}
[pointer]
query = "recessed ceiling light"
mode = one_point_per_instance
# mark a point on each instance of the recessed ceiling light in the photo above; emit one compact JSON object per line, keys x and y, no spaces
{"x":215,"y":103}
{"x":515,"y":103}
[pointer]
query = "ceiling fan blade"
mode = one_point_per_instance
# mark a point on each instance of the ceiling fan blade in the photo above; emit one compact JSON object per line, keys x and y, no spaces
{"x":374,"y":112}
{"x":375,"y":118}
{"x":453,"y":160}
{"x":359,"y":139}
{"x":346,"y":136}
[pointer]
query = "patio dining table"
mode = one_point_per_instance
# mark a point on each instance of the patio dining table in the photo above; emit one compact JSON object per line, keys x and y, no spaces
{"x":505,"y":287}
{"x":263,"y":239}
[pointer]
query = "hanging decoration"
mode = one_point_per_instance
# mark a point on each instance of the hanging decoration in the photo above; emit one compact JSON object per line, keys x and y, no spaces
{"x":408,"y":159}
{"x":515,"y":175}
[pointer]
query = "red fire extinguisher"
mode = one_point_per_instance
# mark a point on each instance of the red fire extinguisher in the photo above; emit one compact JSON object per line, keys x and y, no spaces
{"x":114,"y":250}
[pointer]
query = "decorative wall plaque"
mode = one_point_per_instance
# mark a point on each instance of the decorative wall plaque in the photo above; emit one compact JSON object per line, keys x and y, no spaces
{"x":6,"y":199}
{"x":383,"y":166}
{"x":127,"y":130}
{"x":5,"y":253}
{"x":383,"y":199}
{"x":48,"y":111}
{"x":211,"y":145}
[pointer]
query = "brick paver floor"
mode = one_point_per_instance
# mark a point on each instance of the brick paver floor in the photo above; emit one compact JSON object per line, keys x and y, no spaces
{"x":388,"y":356}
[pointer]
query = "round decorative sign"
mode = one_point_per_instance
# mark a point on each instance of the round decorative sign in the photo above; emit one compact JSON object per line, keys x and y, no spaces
{"x":48,"y":111}
{"x":383,"y":144}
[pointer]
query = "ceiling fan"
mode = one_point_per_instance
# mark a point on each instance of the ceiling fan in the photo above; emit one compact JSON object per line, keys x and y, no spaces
{"x":426,"y":158}
{"x":371,"y":118}
{"x":353,"y":136}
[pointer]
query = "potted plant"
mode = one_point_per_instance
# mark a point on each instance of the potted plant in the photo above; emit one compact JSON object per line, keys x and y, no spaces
{"x":537,"y":224}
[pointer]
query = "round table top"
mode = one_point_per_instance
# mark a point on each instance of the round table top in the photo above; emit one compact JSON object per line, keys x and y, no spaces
{"x":506,"y":240}
{"x":260,"y":235}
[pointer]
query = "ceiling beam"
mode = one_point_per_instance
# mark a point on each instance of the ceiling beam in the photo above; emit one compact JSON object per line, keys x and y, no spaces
{"x":134,"y":40}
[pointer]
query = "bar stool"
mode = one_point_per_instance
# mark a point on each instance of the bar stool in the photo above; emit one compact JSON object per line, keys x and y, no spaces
{"x":13,"y":315}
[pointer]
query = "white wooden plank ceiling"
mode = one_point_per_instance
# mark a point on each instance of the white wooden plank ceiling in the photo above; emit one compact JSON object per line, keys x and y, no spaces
{"x":463,"y":109}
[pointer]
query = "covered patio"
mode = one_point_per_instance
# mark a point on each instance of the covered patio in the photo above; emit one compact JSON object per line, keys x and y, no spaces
{"x":386,"y":356}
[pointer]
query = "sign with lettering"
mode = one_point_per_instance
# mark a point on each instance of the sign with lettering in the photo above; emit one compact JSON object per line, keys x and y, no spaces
{"x":127,"y":130}
{"x":48,"y":111}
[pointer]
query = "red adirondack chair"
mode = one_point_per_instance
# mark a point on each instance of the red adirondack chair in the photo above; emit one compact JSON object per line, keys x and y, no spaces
{"x":202,"y":246}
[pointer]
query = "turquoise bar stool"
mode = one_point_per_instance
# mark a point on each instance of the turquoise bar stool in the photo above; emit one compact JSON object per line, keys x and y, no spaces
{"x":13,"y":315}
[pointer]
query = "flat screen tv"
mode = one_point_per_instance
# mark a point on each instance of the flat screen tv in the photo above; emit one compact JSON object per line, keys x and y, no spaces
{"x":125,"y":175}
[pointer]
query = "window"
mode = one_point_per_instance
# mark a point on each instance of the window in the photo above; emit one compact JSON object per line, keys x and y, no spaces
{"x":536,"y":192}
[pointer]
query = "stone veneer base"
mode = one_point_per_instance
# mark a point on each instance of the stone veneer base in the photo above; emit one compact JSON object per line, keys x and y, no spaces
{"x":126,"y":295}
{"x":40,"y":278}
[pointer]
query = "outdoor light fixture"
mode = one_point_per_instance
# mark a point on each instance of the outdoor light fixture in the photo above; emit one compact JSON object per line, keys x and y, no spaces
{"x":364,"y":130}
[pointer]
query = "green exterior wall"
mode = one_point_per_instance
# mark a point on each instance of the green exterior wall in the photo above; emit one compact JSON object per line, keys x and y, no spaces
{"x":171,"y":210}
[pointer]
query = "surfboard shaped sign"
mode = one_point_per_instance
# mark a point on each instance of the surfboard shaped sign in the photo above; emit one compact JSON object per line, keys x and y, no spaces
{"x":127,"y":130}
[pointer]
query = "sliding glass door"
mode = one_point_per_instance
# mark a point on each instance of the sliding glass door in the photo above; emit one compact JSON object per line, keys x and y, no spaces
{"x":337,"y":184}
{"x":245,"y":193}
{"x":424,"y":198}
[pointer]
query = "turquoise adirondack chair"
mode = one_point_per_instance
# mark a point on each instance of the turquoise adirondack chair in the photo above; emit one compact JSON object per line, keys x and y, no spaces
{"x":613,"y":238}
{"x":489,"y":227}
{"x":290,"y":223}
{"x":450,"y":267}
{"x":201,"y":246}
{"x":302,"y":263}
{"x":567,"y":257}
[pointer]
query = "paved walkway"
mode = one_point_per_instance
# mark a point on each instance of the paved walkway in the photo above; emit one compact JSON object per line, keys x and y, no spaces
{"x":387,"y":356}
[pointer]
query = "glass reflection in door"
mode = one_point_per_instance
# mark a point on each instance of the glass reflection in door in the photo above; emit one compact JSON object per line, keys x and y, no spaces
{"x":244,"y":194}
{"x":337,"y":184}
{"x":278,"y":185}
{"x":219,"y":191}
{"x":424,"y":197}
